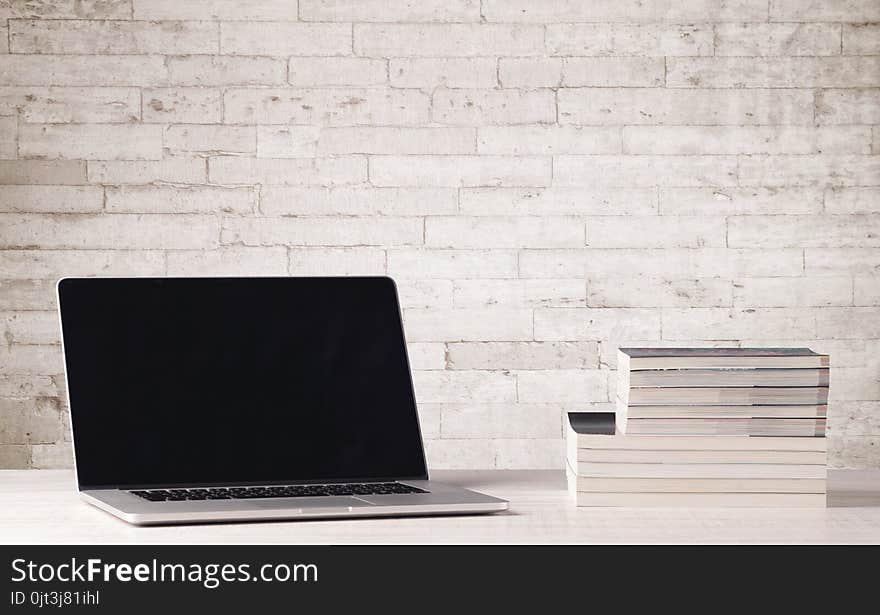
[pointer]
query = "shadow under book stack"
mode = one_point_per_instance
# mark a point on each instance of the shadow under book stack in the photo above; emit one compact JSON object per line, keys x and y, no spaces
{"x":706,"y":427}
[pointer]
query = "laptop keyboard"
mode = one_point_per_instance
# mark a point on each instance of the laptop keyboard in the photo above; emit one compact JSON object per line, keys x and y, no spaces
{"x":283,"y":491}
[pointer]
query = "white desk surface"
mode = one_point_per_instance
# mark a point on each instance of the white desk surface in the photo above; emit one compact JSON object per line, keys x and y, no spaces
{"x":41,"y":506}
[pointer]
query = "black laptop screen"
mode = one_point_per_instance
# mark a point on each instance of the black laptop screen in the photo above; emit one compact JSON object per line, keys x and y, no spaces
{"x":235,"y":380}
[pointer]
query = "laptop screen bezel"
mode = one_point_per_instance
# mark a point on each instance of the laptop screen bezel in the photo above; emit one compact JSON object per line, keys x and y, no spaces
{"x":109,"y":279}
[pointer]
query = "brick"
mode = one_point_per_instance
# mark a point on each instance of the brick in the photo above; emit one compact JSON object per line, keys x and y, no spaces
{"x":228,"y":262}
{"x":29,"y":421}
{"x":208,"y":139}
{"x":476,"y":420}
{"x":719,"y":323}
{"x":182,"y":105}
{"x":537,"y":453}
{"x":61,"y":70}
{"x":829,"y":231}
{"x":293,"y":201}
{"x":226,"y":10}
{"x":297,"y":171}
{"x":226,"y":70}
{"x":645,"y":171}
{"x":54,"y":264}
{"x":64,"y":199}
{"x":826,"y":10}
{"x":856,"y":418}
{"x":523,"y":355}
{"x":389,"y":10}
{"x":692,"y":140}
{"x":326,"y":107}
{"x":537,"y":201}
{"x":480,"y":107}
{"x":658,"y":292}
{"x":287,"y":141}
{"x":336,"y":261}
{"x":852,"y":200}
{"x":633,"y":106}
{"x":780,"y":72}
{"x":63,"y":172}
{"x":850,"y":106}
{"x":503,"y":232}
{"x":426,"y":355}
{"x":574,"y":324}
{"x":447,"y":40}
{"x":739,"y":201}
{"x":848,"y":322}
{"x":459,"y":171}
{"x":656,"y":232}
{"x":792,"y":292}
{"x":568,"y":385}
{"x":8,"y":137}
{"x":448,"y":264}
{"x":520,"y":293}
{"x":551,"y":11}
{"x":180,"y":199}
{"x":92,"y":141}
{"x":425,"y":293}
{"x":112,"y":37}
{"x":27,"y":295}
{"x":777,"y":39}
{"x":443,"y":72}
{"x":435,"y":386}
{"x":854,"y":452}
{"x":77,"y":105}
{"x":530,"y":72}
{"x":32,"y":359}
{"x":280,"y":38}
{"x":866,"y":290}
{"x":549,"y":140}
{"x":618,"y":39}
{"x":318,"y":72}
{"x":455,"y":454}
{"x":613,"y":72}
{"x":30,"y":327}
{"x":82,"y":231}
{"x":841,"y":261}
{"x":809,"y":170}
{"x":861,"y":39}
{"x":15,"y":456}
{"x":657,"y":263}
{"x":52,"y":456}
{"x":475,"y":324}
{"x":322,"y":231}
{"x":66,"y":9}
{"x":173,"y":170}
{"x":397,"y":140}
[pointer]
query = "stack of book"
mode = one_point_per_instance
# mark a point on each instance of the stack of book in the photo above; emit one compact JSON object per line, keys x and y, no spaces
{"x":706,"y":427}
{"x":722,"y":391}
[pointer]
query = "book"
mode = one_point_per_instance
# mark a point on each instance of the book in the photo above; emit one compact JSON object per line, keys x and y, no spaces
{"x":783,"y":427}
{"x":737,"y":396}
{"x":719,"y":358}
{"x":725,"y":378}
{"x":710,"y":412}
{"x":699,"y":470}
{"x":700,"y":485}
{"x":622,"y":455}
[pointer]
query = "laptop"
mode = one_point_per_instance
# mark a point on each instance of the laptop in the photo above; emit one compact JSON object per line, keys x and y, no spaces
{"x":238,"y":399}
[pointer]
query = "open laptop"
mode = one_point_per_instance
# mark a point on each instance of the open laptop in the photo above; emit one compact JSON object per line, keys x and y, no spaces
{"x":234,"y":399}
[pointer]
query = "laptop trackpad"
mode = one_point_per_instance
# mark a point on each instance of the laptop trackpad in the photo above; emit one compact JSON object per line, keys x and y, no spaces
{"x":305,"y":503}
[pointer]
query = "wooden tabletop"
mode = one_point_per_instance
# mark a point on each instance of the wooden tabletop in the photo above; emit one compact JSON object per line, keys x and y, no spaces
{"x":41,"y":506}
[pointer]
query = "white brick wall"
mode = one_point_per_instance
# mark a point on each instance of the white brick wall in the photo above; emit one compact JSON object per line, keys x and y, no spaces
{"x":545,"y":180}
